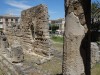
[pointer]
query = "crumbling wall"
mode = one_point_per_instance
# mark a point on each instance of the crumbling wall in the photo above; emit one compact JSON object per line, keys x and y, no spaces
{"x":32,"y":34}
{"x":33,"y":31}
{"x":34,"y":26}
{"x":13,"y":33}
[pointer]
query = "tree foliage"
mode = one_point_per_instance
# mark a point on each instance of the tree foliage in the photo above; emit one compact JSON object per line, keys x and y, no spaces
{"x":94,"y":8}
{"x":95,"y":20}
{"x":95,"y":15}
{"x":53,"y":27}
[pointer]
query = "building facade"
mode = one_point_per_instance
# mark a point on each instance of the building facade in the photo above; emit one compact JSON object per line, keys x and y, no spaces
{"x":59,"y":22}
{"x":8,"y":20}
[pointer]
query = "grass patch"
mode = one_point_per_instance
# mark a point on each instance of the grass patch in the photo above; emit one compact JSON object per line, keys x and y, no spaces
{"x":1,"y":72}
{"x":53,"y":66}
{"x":57,"y":39}
{"x":95,"y":70}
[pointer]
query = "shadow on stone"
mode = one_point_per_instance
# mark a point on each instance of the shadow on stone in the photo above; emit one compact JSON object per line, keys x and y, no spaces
{"x":59,"y":74}
{"x":85,"y":53}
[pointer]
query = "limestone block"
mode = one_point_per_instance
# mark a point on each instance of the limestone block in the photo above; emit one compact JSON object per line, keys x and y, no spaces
{"x":95,"y":57}
{"x":4,"y":44}
{"x":17,"y":52}
{"x":8,"y":52}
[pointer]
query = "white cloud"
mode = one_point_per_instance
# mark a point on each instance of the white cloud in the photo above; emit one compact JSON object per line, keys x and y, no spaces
{"x":12,"y":11}
{"x":18,"y":4}
{"x":51,"y":11}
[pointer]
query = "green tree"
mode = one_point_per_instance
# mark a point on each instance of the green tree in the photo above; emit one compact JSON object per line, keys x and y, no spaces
{"x":53,"y":27}
{"x":95,"y":15}
{"x":95,"y":21}
{"x":94,"y":8}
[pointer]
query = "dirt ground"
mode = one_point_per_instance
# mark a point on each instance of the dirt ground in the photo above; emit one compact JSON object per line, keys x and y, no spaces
{"x":53,"y":66}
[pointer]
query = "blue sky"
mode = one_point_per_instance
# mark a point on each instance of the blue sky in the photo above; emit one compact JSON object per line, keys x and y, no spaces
{"x":95,"y":0}
{"x":55,"y":7}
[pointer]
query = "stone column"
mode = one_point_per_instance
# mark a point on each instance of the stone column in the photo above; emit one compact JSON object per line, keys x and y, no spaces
{"x":74,"y":60}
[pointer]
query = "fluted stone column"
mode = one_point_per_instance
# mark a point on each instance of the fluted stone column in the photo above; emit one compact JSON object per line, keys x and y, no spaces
{"x":75,"y":31}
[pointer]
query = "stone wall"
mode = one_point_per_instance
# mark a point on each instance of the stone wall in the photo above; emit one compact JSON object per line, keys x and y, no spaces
{"x":32,"y":32}
{"x":34,"y":26}
{"x":13,"y":33}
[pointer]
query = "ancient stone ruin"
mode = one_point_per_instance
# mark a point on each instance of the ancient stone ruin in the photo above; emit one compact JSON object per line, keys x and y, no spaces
{"x":33,"y":32}
{"x":14,"y":52}
{"x":30,"y":37}
{"x":74,"y":61}
{"x":34,"y":26}
{"x":17,"y":52}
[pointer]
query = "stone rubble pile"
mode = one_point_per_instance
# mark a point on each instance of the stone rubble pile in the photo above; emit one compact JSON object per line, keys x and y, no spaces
{"x":15,"y":52}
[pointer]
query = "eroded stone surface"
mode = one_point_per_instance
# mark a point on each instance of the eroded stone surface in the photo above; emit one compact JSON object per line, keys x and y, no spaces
{"x":4,"y":43}
{"x":33,"y":32}
{"x":73,"y":36}
{"x":95,"y":57}
{"x":17,"y":54}
{"x":75,"y":29}
{"x":35,"y":29}
{"x":31,"y":37}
